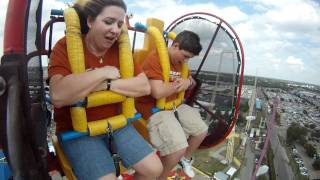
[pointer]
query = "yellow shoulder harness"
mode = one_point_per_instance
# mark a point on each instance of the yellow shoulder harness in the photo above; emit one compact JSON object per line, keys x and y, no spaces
{"x":77,"y":62}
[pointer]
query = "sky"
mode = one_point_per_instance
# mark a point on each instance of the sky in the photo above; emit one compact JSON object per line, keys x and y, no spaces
{"x":281,"y":38}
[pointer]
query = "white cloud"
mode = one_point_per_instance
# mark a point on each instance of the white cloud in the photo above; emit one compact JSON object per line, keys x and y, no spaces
{"x":294,"y":61}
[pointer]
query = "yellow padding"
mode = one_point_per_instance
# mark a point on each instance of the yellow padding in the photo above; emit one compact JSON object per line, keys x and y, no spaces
{"x":77,"y":63}
{"x":125,"y":55}
{"x":172,"y":35}
{"x":128,"y":109}
{"x":65,"y":165}
{"x":74,"y":41}
{"x":148,"y":39}
{"x":79,"y":118}
{"x":126,"y":69}
{"x":165,"y":66}
{"x":100,"y":126}
{"x":164,"y":58}
{"x":169,"y":105}
{"x":184,"y":75}
{"x":104,"y":97}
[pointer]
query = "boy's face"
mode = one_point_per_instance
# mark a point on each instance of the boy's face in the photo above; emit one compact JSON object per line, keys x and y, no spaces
{"x":179,"y":55}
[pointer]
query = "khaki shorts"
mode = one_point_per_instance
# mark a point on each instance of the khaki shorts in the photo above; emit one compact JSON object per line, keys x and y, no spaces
{"x":169,"y":135}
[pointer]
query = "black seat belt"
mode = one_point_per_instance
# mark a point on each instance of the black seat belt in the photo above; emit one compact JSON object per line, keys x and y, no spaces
{"x":113,"y":150}
{"x":175,"y":112}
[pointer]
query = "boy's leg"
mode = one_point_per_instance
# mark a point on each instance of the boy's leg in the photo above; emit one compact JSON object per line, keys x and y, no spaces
{"x":170,"y":161}
{"x":193,"y":126}
{"x":196,"y":129}
{"x":135,"y":152}
{"x":194,"y":143}
{"x":167,"y":135}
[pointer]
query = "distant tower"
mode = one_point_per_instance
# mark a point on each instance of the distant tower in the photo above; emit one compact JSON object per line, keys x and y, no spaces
{"x":230,"y":146}
{"x":250,"y":116}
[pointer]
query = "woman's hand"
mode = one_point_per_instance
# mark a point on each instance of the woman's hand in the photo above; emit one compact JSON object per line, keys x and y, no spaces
{"x":110,"y":72}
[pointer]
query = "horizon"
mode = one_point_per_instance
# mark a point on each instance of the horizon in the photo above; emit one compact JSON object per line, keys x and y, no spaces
{"x":281,"y":39}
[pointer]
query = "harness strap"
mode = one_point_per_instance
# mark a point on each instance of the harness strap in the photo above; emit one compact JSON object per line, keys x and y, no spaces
{"x":175,"y":112}
{"x":113,"y":150}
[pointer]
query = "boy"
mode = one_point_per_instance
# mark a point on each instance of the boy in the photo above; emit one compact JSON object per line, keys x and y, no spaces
{"x":175,"y":136}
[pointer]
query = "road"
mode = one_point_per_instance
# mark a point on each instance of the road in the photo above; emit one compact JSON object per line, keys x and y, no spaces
{"x":281,"y":162}
{"x":247,"y":169}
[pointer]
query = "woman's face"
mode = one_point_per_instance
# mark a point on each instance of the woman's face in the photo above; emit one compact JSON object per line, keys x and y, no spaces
{"x":106,"y":28}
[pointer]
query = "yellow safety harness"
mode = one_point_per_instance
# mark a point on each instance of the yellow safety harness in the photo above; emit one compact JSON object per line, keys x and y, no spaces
{"x":162,"y":50}
{"x":77,"y":63}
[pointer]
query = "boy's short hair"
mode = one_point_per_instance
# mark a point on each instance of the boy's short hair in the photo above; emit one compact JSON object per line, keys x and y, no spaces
{"x":188,"y":41}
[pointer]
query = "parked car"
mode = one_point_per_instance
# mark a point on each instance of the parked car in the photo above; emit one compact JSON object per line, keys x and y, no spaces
{"x":304,"y":173}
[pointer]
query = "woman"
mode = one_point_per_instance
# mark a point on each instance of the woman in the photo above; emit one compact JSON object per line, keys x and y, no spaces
{"x":89,"y":156}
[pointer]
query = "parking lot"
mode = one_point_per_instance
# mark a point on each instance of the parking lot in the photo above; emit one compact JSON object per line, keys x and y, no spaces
{"x":305,"y":162}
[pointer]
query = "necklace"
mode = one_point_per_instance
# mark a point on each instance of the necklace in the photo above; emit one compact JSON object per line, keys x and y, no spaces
{"x":101,"y":60}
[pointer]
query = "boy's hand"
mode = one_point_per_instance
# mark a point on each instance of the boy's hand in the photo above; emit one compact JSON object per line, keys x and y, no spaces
{"x":182,"y":84}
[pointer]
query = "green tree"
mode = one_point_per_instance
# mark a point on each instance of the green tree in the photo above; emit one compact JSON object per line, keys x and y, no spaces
{"x":244,"y":107}
{"x":310,"y":150}
{"x":312,"y":126}
{"x":241,"y":119}
{"x":296,"y":133}
{"x":316,"y":164}
{"x":315,"y":134}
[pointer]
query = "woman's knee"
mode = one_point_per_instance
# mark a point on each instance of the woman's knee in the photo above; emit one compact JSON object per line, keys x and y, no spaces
{"x":150,"y":167}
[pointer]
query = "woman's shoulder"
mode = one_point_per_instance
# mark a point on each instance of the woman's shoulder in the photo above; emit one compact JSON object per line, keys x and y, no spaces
{"x":61,"y":42}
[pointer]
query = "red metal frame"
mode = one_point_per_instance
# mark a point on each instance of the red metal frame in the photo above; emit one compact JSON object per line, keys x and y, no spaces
{"x":14,"y":31}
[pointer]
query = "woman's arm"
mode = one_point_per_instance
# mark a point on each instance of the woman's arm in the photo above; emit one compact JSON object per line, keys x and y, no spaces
{"x":133,"y":87}
{"x":160,"y":89}
{"x":67,"y":90}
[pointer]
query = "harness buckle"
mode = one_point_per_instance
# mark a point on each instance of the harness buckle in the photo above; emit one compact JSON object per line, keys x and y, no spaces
{"x":175,"y":112}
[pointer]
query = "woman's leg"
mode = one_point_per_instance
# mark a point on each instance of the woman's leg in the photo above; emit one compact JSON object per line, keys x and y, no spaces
{"x":135,"y":152}
{"x":89,"y":157}
{"x":148,"y":168}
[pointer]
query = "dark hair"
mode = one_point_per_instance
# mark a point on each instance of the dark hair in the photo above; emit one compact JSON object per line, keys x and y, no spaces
{"x":189,"y":41}
{"x":92,"y":8}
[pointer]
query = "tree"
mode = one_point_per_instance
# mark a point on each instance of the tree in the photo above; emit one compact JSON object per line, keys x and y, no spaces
{"x":244,"y":107}
{"x":296,"y":133}
{"x":310,"y":150}
{"x":316,"y":164}
{"x":315,"y":134}
{"x":241,"y":119}
{"x":312,"y":126}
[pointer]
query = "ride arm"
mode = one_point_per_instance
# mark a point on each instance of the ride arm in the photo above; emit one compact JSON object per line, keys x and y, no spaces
{"x":133,"y":87}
